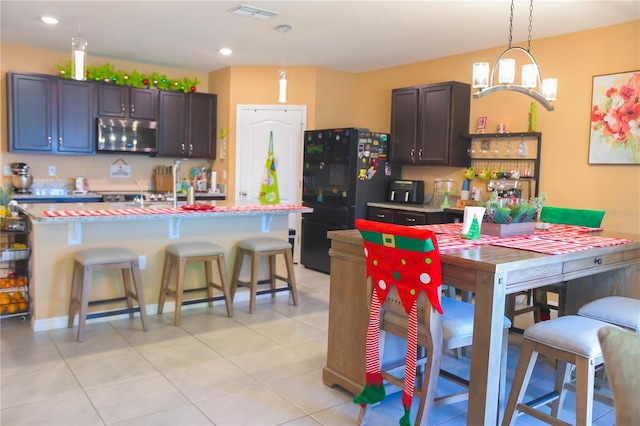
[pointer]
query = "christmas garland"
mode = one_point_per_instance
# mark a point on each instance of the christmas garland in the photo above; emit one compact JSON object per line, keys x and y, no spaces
{"x":108,"y":74}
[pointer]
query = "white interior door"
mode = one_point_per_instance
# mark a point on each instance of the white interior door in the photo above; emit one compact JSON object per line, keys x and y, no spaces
{"x":254,"y":124}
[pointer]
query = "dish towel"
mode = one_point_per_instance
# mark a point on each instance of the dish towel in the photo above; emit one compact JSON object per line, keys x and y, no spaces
{"x":409,"y":259}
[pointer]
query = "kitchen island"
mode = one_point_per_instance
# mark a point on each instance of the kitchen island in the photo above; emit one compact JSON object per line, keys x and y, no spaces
{"x":60,"y":230}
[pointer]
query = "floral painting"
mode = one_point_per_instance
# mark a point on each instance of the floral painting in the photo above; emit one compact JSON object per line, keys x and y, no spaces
{"x":615,"y":119}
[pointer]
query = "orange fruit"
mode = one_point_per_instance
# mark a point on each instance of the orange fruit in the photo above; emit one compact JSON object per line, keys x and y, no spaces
{"x":17,"y":296}
{"x":23,"y":307}
{"x":11,"y":308}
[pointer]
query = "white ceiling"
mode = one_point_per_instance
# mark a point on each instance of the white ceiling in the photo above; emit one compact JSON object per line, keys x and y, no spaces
{"x":345,"y":35}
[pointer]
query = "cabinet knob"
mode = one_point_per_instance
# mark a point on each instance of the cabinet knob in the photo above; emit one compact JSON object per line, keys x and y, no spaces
{"x":59,"y":143}
{"x":122,"y":106}
{"x":380,"y":215}
{"x":190,"y":148}
{"x":597,"y":261}
{"x":413,"y":151}
{"x":49,"y":141}
{"x":420,"y":154}
{"x":411,"y":219}
{"x":182,"y":148}
{"x":133,"y":109}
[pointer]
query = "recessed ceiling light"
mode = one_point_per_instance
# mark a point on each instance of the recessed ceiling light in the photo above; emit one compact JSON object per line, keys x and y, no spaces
{"x":253,"y":12}
{"x":225,"y":51}
{"x":49,"y":20}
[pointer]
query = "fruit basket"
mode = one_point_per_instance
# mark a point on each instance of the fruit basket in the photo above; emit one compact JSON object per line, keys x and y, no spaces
{"x":12,"y":303}
{"x":12,"y":254}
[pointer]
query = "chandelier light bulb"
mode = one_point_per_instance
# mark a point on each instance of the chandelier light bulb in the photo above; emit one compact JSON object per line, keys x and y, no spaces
{"x":529,"y":76}
{"x":507,"y":71}
{"x":550,"y":88}
{"x":481,"y":75}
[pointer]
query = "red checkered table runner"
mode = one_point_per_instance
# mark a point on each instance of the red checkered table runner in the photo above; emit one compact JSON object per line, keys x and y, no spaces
{"x":164,"y":210}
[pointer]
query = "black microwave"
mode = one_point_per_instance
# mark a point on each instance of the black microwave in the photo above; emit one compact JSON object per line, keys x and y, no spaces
{"x":127,"y":135}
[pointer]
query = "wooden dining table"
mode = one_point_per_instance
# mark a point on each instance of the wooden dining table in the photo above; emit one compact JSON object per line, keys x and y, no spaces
{"x":603,"y":263}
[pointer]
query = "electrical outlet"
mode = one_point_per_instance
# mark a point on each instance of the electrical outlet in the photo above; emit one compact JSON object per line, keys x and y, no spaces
{"x":224,"y":175}
{"x":52,"y":171}
{"x":6,"y":170}
{"x":142,"y":261}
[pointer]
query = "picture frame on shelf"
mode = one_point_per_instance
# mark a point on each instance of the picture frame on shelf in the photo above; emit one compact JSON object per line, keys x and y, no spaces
{"x":612,"y":139}
{"x":482,"y":124}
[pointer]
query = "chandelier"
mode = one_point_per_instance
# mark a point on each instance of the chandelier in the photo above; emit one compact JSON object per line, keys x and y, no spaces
{"x":506,"y":68}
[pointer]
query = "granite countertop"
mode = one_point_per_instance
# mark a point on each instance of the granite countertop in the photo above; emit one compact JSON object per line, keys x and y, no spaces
{"x":53,"y":195}
{"x":113,"y":212}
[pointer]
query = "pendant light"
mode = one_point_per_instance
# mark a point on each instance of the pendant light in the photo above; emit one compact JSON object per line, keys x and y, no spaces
{"x":282,"y":92}
{"x":78,"y":57}
{"x":506,"y":68}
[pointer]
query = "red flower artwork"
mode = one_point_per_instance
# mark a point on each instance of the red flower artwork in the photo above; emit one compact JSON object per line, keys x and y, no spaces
{"x":615,"y":119}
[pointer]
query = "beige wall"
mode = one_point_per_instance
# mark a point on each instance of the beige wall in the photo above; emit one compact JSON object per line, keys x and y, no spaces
{"x":337,"y":99}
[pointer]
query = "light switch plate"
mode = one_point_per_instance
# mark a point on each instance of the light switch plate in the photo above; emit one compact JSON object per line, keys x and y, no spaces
{"x":52,"y":171}
{"x":6,"y":170}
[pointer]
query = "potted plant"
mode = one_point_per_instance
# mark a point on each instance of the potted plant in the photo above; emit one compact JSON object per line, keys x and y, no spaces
{"x":510,"y":216}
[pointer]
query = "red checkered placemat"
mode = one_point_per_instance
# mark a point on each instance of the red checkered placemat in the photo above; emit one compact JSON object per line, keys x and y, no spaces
{"x":449,"y":243}
{"x":539,"y":245}
{"x":587,"y":240}
{"x":443,"y":228}
{"x":568,"y":229}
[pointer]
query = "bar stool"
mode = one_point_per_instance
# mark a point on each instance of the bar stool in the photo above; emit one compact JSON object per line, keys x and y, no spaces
{"x":102,"y":259}
{"x":256,"y":248}
{"x":182,"y":253}
{"x":617,"y":310}
{"x":570,"y":339}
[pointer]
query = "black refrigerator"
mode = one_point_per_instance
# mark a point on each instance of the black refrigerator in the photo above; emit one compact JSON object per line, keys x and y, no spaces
{"x":343,"y":170}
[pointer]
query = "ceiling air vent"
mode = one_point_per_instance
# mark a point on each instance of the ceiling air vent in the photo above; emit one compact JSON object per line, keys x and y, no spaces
{"x":254,"y":12}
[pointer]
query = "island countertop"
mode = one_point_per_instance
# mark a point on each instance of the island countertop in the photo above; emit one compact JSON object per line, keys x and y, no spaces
{"x":113,"y":212}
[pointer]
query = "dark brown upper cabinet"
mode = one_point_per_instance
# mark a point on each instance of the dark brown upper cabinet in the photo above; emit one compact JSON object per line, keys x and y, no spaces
{"x":428,"y":123}
{"x":49,"y":114}
{"x":127,"y":102}
{"x":187,"y":125}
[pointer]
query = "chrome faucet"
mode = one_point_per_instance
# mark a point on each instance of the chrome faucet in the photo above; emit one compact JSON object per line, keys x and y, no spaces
{"x":175,"y":169}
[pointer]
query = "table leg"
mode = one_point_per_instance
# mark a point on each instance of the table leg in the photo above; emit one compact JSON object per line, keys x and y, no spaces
{"x":484,"y":386}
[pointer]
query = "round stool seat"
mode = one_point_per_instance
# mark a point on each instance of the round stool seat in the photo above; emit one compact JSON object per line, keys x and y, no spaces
{"x":571,"y":333}
{"x":100,"y":256}
{"x":263,"y":244}
{"x":194,"y":249}
{"x":617,"y":310}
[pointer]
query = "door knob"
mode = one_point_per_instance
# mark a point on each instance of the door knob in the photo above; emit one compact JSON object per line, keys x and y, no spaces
{"x":243,"y":193}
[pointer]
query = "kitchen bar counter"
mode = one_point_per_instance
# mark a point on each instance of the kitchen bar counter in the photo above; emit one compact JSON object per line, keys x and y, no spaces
{"x":54,"y":241}
{"x":116,"y":212}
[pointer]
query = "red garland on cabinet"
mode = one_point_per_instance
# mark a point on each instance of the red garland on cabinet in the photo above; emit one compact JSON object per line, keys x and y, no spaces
{"x":108,"y":74}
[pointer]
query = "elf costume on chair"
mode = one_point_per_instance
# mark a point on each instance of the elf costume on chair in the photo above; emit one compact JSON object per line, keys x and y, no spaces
{"x":409,"y":259}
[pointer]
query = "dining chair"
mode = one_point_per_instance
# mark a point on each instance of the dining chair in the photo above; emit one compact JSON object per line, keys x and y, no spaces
{"x":621,"y":351}
{"x":561,"y":216}
{"x":403,"y":267}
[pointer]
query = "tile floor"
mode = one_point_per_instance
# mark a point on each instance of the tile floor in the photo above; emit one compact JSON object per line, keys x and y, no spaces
{"x":261,"y":369}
